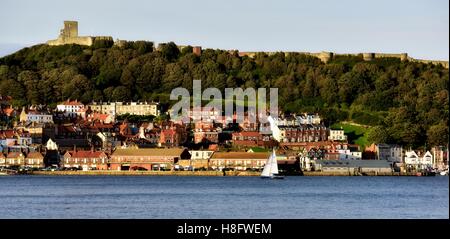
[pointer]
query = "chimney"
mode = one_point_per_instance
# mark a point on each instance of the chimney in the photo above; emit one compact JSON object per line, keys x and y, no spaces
{"x":74,"y":148}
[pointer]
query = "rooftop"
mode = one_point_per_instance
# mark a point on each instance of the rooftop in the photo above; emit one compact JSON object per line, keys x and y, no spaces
{"x":240,"y":155}
{"x":148,"y":152}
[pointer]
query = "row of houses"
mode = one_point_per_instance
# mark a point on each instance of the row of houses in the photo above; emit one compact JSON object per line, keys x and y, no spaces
{"x":74,"y":107}
{"x":125,"y":159}
{"x":105,"y":112}
{"x":31,"y":159}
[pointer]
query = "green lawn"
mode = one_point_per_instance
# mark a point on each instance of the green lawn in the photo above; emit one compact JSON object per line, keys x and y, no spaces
{"x":356,"y":134}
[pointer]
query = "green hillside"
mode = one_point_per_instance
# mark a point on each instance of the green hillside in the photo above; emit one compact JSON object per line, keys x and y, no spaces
{"x":406,"y":102}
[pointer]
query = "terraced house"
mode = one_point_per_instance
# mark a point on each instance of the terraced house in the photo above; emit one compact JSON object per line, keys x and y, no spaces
{"x":238,"y":160}
{"x":85,"y":159}
{"x":32,"y":159}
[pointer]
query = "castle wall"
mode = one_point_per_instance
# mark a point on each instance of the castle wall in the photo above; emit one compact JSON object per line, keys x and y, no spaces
{"x":70,"y":29}
{"x":86,"y":41}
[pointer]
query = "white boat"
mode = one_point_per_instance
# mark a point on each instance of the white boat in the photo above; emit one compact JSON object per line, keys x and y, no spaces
{"x":271,"y":168}
{"x":444,"y":173}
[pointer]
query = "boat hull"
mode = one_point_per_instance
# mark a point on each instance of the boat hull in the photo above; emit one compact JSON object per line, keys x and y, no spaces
{"x":272,"y":177}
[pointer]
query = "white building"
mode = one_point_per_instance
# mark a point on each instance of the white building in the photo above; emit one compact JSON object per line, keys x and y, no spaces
{"x":414,"y":160}
{"x":39,"y":118}
{"x":71,"y":108}
{"x":411,"y":158}
{"x":201,"y":154}
{"x":51,"y":145}
{"x":308,"y":119}
{"x":35,"y":117}
{"x":427,"y":159}
{"x":350,"y":155}
{"x":337,"y":135}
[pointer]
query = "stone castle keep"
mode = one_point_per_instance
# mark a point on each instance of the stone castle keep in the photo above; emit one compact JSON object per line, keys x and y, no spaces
{"x":69,"y":35}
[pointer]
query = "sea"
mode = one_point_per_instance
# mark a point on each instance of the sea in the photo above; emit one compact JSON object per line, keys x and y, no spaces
{"x":195,"y":197}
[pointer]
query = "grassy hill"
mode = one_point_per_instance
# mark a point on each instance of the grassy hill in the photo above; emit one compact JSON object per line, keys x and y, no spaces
{"x":357,"y":134}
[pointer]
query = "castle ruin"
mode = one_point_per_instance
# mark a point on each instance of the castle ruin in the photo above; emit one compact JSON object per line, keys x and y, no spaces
{"x":69,"y":35}
{"x":326,"y":57}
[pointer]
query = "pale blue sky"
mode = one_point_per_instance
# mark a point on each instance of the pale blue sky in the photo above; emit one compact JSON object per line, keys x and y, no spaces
{"x":418,"y":27}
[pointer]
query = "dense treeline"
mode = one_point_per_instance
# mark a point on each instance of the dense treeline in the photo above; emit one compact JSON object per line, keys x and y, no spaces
{"x":406,"y":102}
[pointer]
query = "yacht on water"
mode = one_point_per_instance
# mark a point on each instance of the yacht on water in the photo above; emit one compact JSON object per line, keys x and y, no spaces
{"x":271,"y":168}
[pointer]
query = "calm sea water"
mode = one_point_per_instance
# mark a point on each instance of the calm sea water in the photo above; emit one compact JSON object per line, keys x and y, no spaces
{"x":223,"y":197}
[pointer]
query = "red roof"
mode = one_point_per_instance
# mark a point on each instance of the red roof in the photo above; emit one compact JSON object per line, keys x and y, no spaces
{"x":8,"y":111}
{"x":9,"y":133}
{"x":13,"y":154}
{"x":247,"y":134}
{"x":73,"y":102}
{"x":34,"y":155}
{"x":86,"y":154}
{"x":98,"y":116}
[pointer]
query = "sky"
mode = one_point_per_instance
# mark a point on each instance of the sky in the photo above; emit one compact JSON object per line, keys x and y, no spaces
{"x":417,"y":27}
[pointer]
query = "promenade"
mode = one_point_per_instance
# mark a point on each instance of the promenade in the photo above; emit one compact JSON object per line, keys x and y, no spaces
{"x":198,"y":173}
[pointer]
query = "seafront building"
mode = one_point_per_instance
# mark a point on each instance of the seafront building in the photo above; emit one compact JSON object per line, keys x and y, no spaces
{"x":416,"y":161}
{"x":238,"y":160}
{"x":146,"y":158}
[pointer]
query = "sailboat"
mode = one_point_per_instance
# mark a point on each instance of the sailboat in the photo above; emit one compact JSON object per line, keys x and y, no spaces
{"x":271,"y":168}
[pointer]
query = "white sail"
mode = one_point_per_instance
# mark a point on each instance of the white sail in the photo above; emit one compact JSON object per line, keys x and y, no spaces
{"x":266,"y":170}
{"x":274,"y":166}
{"x":271,"y":166}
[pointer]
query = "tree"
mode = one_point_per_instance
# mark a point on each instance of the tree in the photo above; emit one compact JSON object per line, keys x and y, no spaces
{"x":121,"y":93}
{"x":438,"y":134}
{"x":169,"y":51}
{"x":14,"y":89}
{"x":143,"y":47}
{"x":186,"y":50}
{"x":378,"y":135}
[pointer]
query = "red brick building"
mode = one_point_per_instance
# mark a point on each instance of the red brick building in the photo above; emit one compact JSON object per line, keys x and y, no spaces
{"x":252,"y":139}
{"x":172,"y":135}
{"x":303,"y":133}
{"x":147,"y":158}
{"x":86,"y":159}
{"x":205,"y":131}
